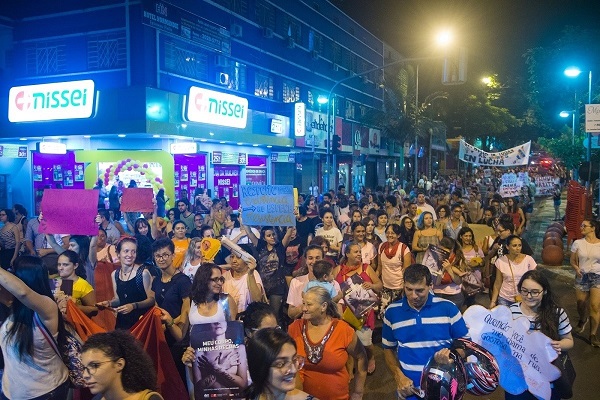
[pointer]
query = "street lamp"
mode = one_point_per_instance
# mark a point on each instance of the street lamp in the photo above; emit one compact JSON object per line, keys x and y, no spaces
{"x":574,"y":72}
{"x":321,"y":100}
{"x":565,"y":114}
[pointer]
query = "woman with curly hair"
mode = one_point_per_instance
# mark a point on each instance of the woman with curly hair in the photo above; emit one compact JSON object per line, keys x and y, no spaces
{"x":443,"y":216}
{"x":425,"y":235}
{"x":117,"y":367}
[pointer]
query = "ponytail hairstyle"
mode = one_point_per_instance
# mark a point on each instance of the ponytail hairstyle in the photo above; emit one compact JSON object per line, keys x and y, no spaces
{"x":324,"y":297}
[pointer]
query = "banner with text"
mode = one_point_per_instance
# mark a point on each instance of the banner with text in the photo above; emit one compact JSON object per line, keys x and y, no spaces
{"x":524,"y":357}
{"x":510,"y":157}
{"x":268,"y":205}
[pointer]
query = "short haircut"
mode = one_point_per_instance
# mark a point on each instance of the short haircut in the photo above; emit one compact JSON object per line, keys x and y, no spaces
{"x":415,"y":273}
{"x":322,"y":268}
{"x":163,"y":243}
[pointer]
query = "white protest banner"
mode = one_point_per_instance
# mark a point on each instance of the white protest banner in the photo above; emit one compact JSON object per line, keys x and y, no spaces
{"x":510,"y":186}
{"x":268,"y":205}
{"x":510,"y":157}
{"x":524,"y":356}
{"x":544,"y":185}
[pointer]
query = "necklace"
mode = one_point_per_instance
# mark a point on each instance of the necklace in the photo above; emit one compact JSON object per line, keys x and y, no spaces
{"x":314,"y":353}
{"x":128,"y":275}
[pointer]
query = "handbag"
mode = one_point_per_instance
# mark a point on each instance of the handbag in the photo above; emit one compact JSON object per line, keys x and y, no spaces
{"x":563,"y":386}
{"x":518,"y":297}
{"x":70,"y":354}
{"x":471,"y":284}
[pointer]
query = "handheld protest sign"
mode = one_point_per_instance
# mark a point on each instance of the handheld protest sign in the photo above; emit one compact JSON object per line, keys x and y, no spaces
{"x":137,"y":200}
{"x":524,"y":357}
{"x":71,"y":211}
{"x":268,"y":205}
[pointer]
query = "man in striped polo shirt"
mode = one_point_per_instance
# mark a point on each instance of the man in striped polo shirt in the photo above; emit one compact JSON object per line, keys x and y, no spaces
{"x":417,"y":327}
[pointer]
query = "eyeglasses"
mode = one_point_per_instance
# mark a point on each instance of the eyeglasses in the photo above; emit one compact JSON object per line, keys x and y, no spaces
{"x":92,"y":367}
{"x":218,"y":279}
{"x":532,"y":293}
{"x":163,"y":256}
{"x":582,"y":225}
{"x":285,"y":366}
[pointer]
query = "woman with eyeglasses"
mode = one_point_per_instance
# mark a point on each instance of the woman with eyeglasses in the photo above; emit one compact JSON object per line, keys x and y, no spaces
{"x":443,"y":216}
{"x":274,"y":364}
{"x":509,"y":270}
{"x":585,"y":260}
{"x":116,"y":367}
{"x":131,"y":286}
{"x":407,"y":231}
{"x":544,"y":315}
{"x":326,"y":342}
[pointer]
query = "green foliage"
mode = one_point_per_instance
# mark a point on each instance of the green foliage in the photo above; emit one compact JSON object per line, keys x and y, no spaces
{"x":562,"y":148}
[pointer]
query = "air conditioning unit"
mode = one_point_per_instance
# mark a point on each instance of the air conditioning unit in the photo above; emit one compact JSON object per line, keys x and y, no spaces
{"x":267,"y":33}
{"x":236,"y":30}
{"x":336,"y":66}
{"x":221,"y":61}
{"x":314,"y":55}
{"x":222,"y":78}
{"x":291,"y":43}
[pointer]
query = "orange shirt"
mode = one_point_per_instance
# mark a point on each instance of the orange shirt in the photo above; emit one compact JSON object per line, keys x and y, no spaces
{"x":329,"y":378}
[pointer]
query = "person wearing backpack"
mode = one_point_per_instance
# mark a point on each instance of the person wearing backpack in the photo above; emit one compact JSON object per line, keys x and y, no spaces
{"x":32,"y":368}
{"x":394,"y":256}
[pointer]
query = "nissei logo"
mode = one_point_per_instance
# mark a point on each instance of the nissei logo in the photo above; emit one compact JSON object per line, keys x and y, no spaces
{"x":215,"y":108}
{"x":51,"y":101}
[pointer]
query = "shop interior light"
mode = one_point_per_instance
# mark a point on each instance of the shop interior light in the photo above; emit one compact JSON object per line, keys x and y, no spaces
{"x":121,"y":135}
{"x":240,"y":143}
{"x":155,"y":136}
{"x":211,"y":133}
{"x":222,"y":142}
{"x":203,"y":140}
{"x":52,"y":148}
{"x":23,"y":139}
{"x":269,"y":146}
{"x":255,"y":145}
{"x":87,"y":136}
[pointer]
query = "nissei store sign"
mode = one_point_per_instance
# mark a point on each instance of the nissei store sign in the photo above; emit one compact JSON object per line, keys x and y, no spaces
{"x":215,"y":108}
{"x":51,"y":101}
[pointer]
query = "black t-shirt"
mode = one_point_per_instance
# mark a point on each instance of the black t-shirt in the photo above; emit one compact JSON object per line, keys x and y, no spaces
{"x":304,"y":229}
{"x":170,"y":295}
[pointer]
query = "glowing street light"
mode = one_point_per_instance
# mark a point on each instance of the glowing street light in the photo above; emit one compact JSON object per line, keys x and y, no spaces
{"x":444,"y":38}
{"x":322,"y":99}
{"x":574,"y":72}
{"x":486,"y":80}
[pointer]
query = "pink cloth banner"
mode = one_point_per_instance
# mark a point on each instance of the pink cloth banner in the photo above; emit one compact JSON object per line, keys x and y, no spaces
{"x":137,"y":200}
{"x":71,"y":211}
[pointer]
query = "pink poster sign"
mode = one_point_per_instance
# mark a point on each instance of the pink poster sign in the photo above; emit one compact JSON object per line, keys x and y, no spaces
{"x":137,"y":200}
{"x":71,"y":211}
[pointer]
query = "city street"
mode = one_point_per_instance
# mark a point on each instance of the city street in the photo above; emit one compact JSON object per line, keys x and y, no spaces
{"x":585,"y":358}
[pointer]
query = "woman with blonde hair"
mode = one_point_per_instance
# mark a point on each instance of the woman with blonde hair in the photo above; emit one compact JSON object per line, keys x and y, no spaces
{"x":193,"y":258}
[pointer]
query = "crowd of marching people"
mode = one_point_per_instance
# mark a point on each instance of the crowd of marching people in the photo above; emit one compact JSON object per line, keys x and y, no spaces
{"x":286,"y":284}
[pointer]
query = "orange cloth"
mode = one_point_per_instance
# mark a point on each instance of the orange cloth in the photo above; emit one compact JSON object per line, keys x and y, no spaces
{"x":83,"y":325}
{"x":104,"y":291}
{"x":149,"y":331}
{"x":329,"y":378}
{"x":181,"y":246}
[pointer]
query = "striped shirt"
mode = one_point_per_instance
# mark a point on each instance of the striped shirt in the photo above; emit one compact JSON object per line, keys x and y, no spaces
{"x":418,"y":335}
{"x":564,"y":326}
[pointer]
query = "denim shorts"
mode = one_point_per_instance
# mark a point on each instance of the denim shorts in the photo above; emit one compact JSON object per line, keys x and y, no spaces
{"x":587,"y":282}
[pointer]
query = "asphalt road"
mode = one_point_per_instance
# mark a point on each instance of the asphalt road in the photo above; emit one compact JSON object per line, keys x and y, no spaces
{"x":586,"y":359}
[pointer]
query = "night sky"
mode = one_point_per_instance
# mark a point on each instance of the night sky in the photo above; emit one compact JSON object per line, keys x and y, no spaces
{"x":496,"y":32}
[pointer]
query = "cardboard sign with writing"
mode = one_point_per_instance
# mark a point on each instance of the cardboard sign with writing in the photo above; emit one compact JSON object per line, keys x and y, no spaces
{"x":137,"y":200}
{"x":524,"y":356}
{"x":268,"y":205}
{"x":71,"y":211}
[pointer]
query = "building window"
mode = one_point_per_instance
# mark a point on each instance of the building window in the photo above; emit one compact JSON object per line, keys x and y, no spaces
{"x":239,"y":7}
{"x":232,"y":76}
{"x":263,"y":85}
{"x":45,"y":58}
{"x":291,"y":92}
{"x":292,"y":29}
{"x":349,"y":110}
{"x":265,"y":14}
{"x":185,"y":60}
{"x":107,"y":51}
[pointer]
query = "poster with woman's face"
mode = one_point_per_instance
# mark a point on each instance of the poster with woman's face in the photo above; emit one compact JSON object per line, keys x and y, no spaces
{"x":220,"y":368}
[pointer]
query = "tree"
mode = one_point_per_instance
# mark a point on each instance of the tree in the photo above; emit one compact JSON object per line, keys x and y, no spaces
{"x":562,"y":148}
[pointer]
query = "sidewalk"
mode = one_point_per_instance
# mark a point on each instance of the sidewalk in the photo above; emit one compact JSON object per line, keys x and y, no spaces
{"x":541,"y":218}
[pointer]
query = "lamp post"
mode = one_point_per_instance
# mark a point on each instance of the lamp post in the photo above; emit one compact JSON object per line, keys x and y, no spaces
{"x":565,"y":114}
{"x":573,"y":72}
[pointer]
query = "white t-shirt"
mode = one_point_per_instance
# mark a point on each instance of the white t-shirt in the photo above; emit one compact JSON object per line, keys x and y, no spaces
{"x":510,"y":280}
{"x":297,"y":286}
{"x":588,"y":254}
{"x":333,"y":235}
{"x":238,"y":288}
{"x":190,"y":270}
{"x":244,"y":239}
{"x":392,"y":268}
{"x":426,"y":207}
